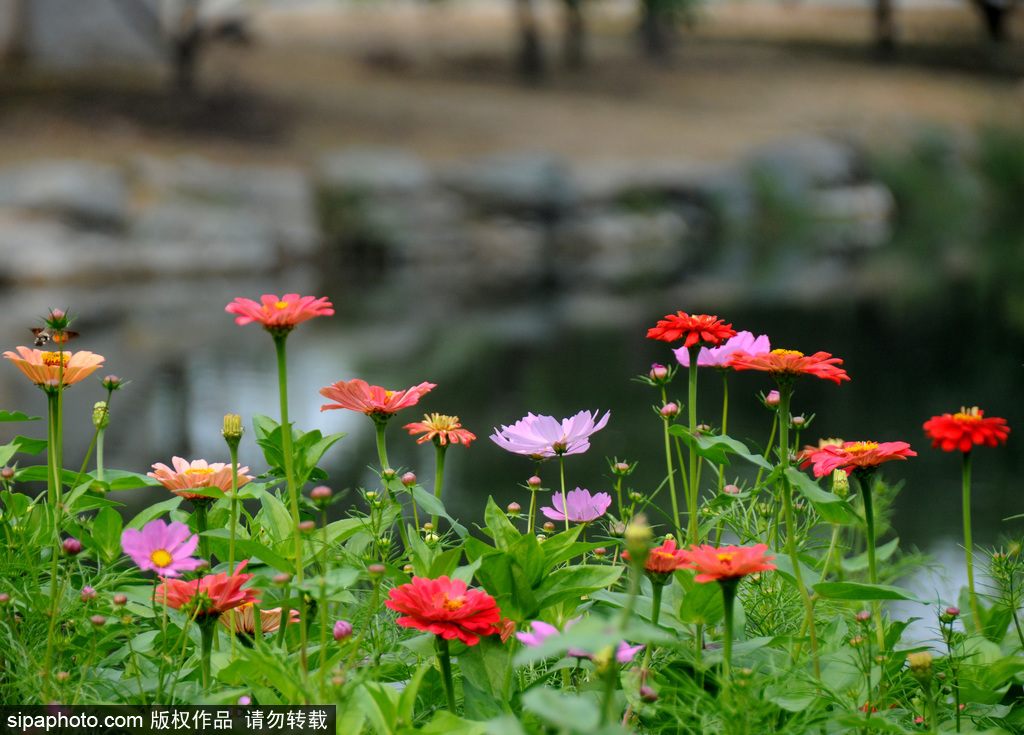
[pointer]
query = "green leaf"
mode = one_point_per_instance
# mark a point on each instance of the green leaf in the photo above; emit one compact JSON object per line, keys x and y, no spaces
{"x":247,"y":548}
{"x":407,"y":699}
{"x":380,"y":705}
{"x":829,"y":506}
{"x":703,"y":604}
{"x":502,"y":530}
{"x":718,"y":448}
{"x":275,"y":518}
{"x":154,"y":511}
{"x":28,"y":445}
{"x":860,"y":562}
{"x":7,"y":451}
{"x":433,"y":506}
{"x":106,"y":534}
{"x":568,"y":583}
{"x":17,"y":416}
{"x":445,"y":723}
{"x":862,"y":591}
{"x":483,"y":678}
{"x":574,"y":713}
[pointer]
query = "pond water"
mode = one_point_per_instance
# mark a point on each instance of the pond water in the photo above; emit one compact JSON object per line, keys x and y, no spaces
{"x":550,"y":353}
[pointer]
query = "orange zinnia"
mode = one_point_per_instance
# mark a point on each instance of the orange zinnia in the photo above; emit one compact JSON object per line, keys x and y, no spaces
{"x":279,"y":315}
{"x":699,"y":328}
{"x":209,"y":596}
{"x":850,"y":456}
{"x":41,"y":367}
{"x":358,"y":395}
{"x":446,"y":608}
{"x":196,"y":474}
{"x":664,"y":559}
{"x":441,"y":429}
{"x":787,"y":364}
{"x":728,"y":562}
{"x":965,"y":429}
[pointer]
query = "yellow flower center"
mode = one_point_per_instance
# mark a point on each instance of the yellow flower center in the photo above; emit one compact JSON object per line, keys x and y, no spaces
{"x":439,"y":422}
{"x":389,"y":393}
{"x":969,"y":415}
{"x":726,"y":556}
{"x":161,"y":558}
{"x":794,"y":353}
{"x":452,"y":605}
{"x":198,"y":471}
{"x":281,"y":305}
{"x":861,"y":447}
{"x":55,"y":358}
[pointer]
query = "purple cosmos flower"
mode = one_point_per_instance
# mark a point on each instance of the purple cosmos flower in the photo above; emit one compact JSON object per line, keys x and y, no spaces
{"x":166,"y":549}
{"x":541,"y":632}
{"x":580,"y":506}
{"x":716,"y":356}
{"x":546,"y":436}
{"x":624,"y":652}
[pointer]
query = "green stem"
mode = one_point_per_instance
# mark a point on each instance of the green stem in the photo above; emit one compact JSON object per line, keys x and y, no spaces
{"x":692,"y":408}
{"x":444,"y":659}
{"x":438,"y":477}
{"x":289,"y":475}
{"x":728,"y":585}
{"x":565,"y":500}
{"x":725,"y":422}
{"x":99,"y":454}
{"x":380,"y":423}
{"x":51,"y":449}
{"x":533,"y":509}
{"x":207,"y":631}
{"x":201,"y":526}
{"x":656,"y":589}
{"x":671,"y":473}
{"x":866,"y":481}
{"x":968,"y":547}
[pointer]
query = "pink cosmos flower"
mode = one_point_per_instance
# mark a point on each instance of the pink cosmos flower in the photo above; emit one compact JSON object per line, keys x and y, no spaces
{"x":358,"y":395}
{"x":580,"y":506}
{"x":542,"y":631}
{"x":196,"y":474}
{"x":716,"y":356}
{"x":545,"y":436}
{"x":279,"y":315}
{"x":165,"y":548}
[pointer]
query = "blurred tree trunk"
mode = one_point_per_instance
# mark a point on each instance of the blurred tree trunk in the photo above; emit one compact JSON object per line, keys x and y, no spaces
{"x":885,"y":26}
{"x":531,"y":58}
{"x":994,"y":14}
{"x":15,"y":54}
{"x":654,"y":30}
{"x":575,"y":35}
{"x":185,"y":46}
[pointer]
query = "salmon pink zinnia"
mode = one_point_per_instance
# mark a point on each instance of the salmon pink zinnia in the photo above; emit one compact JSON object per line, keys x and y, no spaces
{"x":358,"y":395}
{"x":440,"y":429}
{"x":196,"y":474}
{"x":963,"y":430}
{"x":727,"y":562}
{"x":41,"y":366}
{"x":697,"y":329}
{"x":664,"y":559}
{"x":446,"y":608}
{"x":850,"y":456}
{"x":209,"y":596}
{"x":279,"y":315}
{"x":788,"y":364}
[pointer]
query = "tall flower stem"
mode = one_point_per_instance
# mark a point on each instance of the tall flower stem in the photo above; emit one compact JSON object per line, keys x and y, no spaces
{"x":728,"y":585}
{"x":289,"y":473}
{"x":438,"y":476}
{"x":866,"y":481}
{"x":444,"y":659}
{"x":565,"y":500}
{"x":692,"y":409}
{"x":52,"y":466}
{"x":671,"y":472}
{"x":785,"y":392}
{"x":725,"y":423}
{"x":380,"y":424}
{"x":207,"y":631}
{"x":656,"y":589}
{"x":968,"y":546}
{"x":201,"y":507}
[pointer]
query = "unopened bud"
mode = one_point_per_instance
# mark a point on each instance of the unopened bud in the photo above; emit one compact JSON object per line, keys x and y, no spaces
{"x":282,"y":579}
{"x":622,"y":468}
{"x":797,"y":421}
{"x":731,"y":490}
{"x":100,"y":415}
{"x":772,"y":399}
{"x":88,"y":593}
{"x":120,"y":599}
{"x":409,"y":479}
{"x":658,"y":372}
{"x":638,"y":539}
{"x":371,"y":495}
{"x":389,"y":474}
{"x":534,"y":482}
{"x":62,"y":676}
{"x":376,"y":571}
{"x":342,"y":630}
{"x":98,"y":620}
{"x":4,"y":598}
{"x":648,"y":695}
{"x":669,"y":410}
{"x":111,"y":382}
{"x":232,"y":429}
{"x":920,"y":665}
{"x":320,"y":495}
{"x":71,"y":546}
{"x":514,"y":509}
{"x":7,"y":473}
{"x":307,"y":526}
{"x":428,"y":526}
{"x":408,"y":569}
{"x":840,"y":483}
{"x":600,"y":552}
{"x":549,"y":527}
{"x":863,"y":616}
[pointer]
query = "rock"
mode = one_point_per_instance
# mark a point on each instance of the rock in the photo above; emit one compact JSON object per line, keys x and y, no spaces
{"x":376,"y":171}
{"x":799,"y":164}
{"x":514,"y":184}
{"x":87,"y":193}
{"x":508,"y":251}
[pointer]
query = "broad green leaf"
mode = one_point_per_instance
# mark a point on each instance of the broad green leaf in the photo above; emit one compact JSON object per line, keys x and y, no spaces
{"x":106,"y":534}
{"x":830,"y":506}
{"x":569,"y":712}
{"x":380,"y":705}
{"x":484,"y":667}
{"x":434,"y":507}
{"x":861,"y":591}
{"x":860,"y":562}
{"x":154,"y":511}
{"x":276,"y":518}
{"x":28,"y":445}
{"x":17,"y":416}
{"x":703,"y":604}
{"x":718,"y":448}
{"x":503,"y":532}
{"x":445,"y":723}
{"x":7,"y":451}
{"x":568,"y":583}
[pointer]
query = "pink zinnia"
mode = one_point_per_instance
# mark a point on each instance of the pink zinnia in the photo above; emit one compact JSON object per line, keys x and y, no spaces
{"x":580,"y":506}
{"x":785,"y":365}
{"x":196,"y":474}
{"x":279,"y":315}
{"x":166,"y":549}
{"x":545,"y":436}
{"x":358,"y":395}
{"x":717,"y":356}
{"x":850,"y":456}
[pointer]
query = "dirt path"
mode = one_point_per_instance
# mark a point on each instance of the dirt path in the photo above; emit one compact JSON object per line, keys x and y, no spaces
{"x":438,"y":80}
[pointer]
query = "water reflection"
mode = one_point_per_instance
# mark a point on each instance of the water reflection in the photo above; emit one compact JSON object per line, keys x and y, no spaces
{"x":189,"y":364}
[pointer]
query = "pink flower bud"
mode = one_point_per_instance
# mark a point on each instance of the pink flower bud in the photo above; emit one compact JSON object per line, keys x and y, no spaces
{"x":376,"y":570}
{"x":669,"y":410}
{"x":98,"y":620}
{"x":244,"y":700}
{"x":409,"y":479}
{"x":120,"y":599}
{"x":320,"y":494}
{"x":282,"y":579}
{"x":658,"y":372}
{"x":863,"y":616}
{"x":72,"y":546}
{"x":307,"y":526}
{"x":534,"y":482}
{"x":772,"y":399}
{"x":514,"y":509}
{"x":88,"y":593}
{"x":111,"y":382}
{"x":7,"y":473}
{"x":648,"y":695}
{"x":342,"y":630}
{"x":549,"y":527}
{"x":731,"y":490}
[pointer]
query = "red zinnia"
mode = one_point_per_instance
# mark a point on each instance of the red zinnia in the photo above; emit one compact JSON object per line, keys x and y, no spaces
{"x":965,"y":429}
{"x":209,"y":596}
{"x":789,"y":364}
{"x":446,"y":608}
{"x":699,"y":328}
{"x":440,"y":429}
{"x":850,"y":456}
{"x":728,"y":562}
{"x":664,"y":559}
{"x":279,"y":315}
{"x":358,"y":395}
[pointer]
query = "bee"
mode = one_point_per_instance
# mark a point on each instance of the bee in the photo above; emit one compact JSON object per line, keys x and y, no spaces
{"x":58,"y":336}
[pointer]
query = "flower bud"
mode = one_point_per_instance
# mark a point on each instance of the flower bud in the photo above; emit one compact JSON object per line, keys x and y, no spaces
{"x":549,"y":527}
{"x":617,"y":529}
{"x":638,"y":539}
{"x":409,"y":479}
{"x":88,"y":593}
{"x":408,"y":569}
{"x":514,"y":509}
{"x":371,"y":495}
{"x":772,"y":399}
{"x":376,"y":571}
{"x":7,"y":474}
{"x":321,"y":495}
{"x":98,"y":620}
{"x":669,"y":410}
{"x":342,"y":630}
{"x":534,"y":482}
{"x":428,"y":526}
{"x":636,"y":496}
{"x":338,"y":680}
{"x":430,"y":537}
{"x":72,"y":546}
{"x":62,"y":676}
{"x":857,"y":640}
{"x":282,"y":579}
{"x":120,"y":599}
{"x":622,"y":468}
{"x":731,"y":490}
{"x":863,"y":617}
{"x":4,"y":598}
{"x":648,"y":695}
{"x":232,"y":430}
{"x":100,"y":415}
{"x":840,"y":483}
{"x":658,"y":373}
{"x":111,"y":382}
{"x":797,"y":422}
{"x":389,"y":474}
{"x":307,"y":526}
{"x":244,"y":700}
{"x":920,"y":666}
{"x":600,"y":552}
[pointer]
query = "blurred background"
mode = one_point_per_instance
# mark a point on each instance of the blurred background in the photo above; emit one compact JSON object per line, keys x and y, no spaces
{"x":500,"y":197}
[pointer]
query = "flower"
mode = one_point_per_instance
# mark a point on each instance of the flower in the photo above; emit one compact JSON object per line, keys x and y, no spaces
{"x":624,"y":652}
{"x":716,"y":356}
{"x":164,"y":548}
{"x":965,"y":429}
{"x":787,"y":364}
{"x":727,"y":562}
{"x":663,"y":560}
{"x":446,"y":608}
{"x":698,"y":328}
{"x":279,"y":315}
{"x":41,"y":367}
{"x":580,"y":506}
{"x":197,"y":474}
{"x":209,"y":596}
{"x":440,"y":429}
{"x":71,"y":546}
{"x":541,"y":632}
{"x":342,"y":630}
{"x":850,"y":456}
{"x":545,"y":436}
{"x":242,"y":619}
{"x":358,"y":395}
